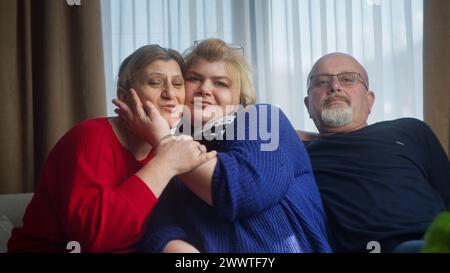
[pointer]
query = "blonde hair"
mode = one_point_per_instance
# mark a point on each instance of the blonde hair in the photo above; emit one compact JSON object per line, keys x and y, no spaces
{"x":214,"y":50}
{"x":141,"y":58}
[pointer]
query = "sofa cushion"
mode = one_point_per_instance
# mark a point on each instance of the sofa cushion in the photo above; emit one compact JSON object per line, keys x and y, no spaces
{"x":13,"y":206}
{"x":5,"y":232}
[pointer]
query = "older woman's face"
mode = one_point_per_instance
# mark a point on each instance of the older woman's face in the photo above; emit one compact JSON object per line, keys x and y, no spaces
{"x":210,"y":90}
{"x":161,"y":83}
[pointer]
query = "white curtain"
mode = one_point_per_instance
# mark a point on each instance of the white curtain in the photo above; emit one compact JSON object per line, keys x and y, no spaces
{"x":282,"y":39}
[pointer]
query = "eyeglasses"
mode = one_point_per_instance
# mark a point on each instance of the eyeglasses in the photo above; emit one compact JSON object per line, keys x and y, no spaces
{"x":230,"y":45}
{"x":345,"y":79}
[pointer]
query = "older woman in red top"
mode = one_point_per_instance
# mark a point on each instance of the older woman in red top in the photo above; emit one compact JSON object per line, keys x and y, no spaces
{"x":101,"y":181}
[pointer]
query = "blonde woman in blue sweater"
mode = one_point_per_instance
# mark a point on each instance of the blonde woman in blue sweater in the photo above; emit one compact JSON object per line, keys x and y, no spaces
{"x":258,"y":194}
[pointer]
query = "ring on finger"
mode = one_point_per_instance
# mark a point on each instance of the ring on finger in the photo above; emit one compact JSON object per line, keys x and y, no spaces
{"x":200,"y":148}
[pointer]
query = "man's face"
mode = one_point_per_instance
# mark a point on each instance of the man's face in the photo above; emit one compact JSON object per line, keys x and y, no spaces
{"x":339,"y":103}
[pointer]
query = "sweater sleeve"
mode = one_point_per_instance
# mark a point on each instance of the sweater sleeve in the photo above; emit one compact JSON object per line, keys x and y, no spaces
{"x":248,"y":177}
{"x":101,"y":213}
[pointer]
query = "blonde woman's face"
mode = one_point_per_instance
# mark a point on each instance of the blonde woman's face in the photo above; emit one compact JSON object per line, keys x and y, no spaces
{"x":161,"y":82}
{"x":210,"y":90}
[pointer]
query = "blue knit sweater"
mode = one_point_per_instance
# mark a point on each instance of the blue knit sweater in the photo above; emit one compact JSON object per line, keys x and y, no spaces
{"x":263,"y":201}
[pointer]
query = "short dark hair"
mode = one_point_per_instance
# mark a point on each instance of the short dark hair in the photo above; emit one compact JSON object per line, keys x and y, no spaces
{"x":141,"y":58}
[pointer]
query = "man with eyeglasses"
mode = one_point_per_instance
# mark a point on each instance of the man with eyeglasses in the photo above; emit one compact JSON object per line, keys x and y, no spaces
{"x":381,"y":184}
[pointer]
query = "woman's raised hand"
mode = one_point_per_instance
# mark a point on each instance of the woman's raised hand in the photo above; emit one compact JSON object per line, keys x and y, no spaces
{"x":143,"y":120}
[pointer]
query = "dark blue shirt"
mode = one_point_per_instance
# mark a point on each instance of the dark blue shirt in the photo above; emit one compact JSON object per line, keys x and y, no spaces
{"x":385,"y":182}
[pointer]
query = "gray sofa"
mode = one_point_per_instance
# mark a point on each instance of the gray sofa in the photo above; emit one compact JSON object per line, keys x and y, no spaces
{"x":12,"y":209}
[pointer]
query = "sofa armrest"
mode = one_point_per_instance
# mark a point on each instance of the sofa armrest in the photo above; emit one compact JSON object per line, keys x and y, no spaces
{"x":13,"y":206}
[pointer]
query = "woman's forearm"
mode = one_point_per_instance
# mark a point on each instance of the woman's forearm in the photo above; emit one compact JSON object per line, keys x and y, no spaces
{"x":156,"y":175}
{"x":199,"y":180}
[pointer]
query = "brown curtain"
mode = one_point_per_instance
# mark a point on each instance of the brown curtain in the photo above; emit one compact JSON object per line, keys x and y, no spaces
{"x":51,"y":77}
{"x":436,"y":61}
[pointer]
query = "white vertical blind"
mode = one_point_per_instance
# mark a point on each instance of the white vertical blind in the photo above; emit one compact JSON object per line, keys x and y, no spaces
{"x":282,"y":39}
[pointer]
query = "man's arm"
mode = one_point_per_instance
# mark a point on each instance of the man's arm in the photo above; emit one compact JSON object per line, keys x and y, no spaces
{"x":439,"y":166}
{"x":306,"y":136}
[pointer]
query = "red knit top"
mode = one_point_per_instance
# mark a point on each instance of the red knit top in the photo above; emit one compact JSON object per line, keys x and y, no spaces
{"x":87,"y":192}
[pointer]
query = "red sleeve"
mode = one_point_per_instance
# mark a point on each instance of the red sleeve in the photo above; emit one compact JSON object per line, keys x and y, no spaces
{"x":100,"y":212}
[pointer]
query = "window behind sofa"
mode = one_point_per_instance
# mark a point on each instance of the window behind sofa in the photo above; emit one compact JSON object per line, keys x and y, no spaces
{"x":283,"y":38}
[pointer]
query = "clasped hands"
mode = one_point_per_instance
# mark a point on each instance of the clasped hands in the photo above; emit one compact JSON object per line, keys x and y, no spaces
{"x":145,"y":121}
